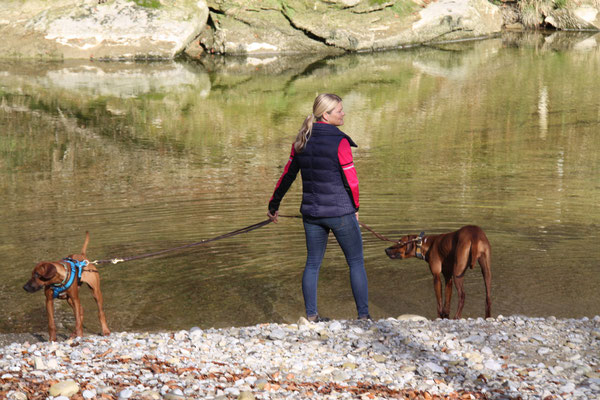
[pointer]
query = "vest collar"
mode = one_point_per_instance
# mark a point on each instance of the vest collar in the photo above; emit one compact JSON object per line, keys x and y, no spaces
{"x":324,"y":129}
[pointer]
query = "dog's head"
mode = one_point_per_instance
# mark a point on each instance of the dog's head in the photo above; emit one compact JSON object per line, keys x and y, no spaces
{"x":42,"y":275}
{"x":405,"y":248}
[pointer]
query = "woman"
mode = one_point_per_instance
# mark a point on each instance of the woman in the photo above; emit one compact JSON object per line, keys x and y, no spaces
{"x":329,"y":201}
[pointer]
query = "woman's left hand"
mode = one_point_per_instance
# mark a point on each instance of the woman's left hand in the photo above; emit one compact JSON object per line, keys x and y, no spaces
{"x":273,"y":216}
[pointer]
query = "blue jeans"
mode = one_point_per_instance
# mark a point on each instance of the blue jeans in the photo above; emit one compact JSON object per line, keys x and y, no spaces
{"x":347,"y":232}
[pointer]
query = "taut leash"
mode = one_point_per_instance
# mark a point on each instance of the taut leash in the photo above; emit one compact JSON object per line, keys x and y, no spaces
{"x":225,"y":236}
{"x":185,"y":246}
{"x":380,"y":236}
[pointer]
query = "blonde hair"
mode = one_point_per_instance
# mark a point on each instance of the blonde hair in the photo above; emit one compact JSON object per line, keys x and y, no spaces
{"x":324,"y":103}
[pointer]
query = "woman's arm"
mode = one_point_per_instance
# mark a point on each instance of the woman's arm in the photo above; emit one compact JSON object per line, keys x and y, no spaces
{"x":285,"y":181}
{"x":349,"y":172}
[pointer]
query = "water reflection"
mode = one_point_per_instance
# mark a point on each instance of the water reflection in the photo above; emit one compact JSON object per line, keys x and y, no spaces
{"x":149,"y":156}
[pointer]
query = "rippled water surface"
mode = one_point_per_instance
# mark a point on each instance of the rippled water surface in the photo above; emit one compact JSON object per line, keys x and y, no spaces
{"x":502,"y":133}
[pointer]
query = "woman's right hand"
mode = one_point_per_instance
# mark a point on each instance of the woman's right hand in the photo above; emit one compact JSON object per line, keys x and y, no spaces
{"x":273,"y":216}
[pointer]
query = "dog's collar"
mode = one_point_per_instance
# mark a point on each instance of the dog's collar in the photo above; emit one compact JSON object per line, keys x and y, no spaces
{"x":419,"y":251}
{"x":67,"y":274}
{"x":76,"y":269}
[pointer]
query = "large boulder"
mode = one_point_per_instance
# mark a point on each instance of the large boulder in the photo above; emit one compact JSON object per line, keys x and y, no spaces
{"x":296,"y":26}
{"x":256,"y":27}
{"x":113,"y":29}
{"x":447,"y":20}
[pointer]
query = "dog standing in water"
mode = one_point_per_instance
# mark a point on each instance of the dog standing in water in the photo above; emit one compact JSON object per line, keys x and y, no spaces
{"x":61,"y":279}
{"x":449,"y":254}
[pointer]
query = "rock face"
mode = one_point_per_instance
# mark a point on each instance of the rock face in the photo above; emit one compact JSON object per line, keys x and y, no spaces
{"x":296,"y":26}
{"x":570,"y":15}
{"x":122,"y":29}
{"x":162,"y":29}
{"x":116,"y":29}
{"x":583,"y":17}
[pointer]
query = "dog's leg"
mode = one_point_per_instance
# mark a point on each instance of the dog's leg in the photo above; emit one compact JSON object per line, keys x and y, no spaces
{"x":50,"y":313}
{"x":100,"y":303}
{"x":435,"y":267}
{"x":461,"y":263}
{"x":92,"y":278}
{"x":437,"y":287}
{"x":448,"y":295}
{"x":486,"y":271}
{"x":75,"y":303}
{"x":460,"y":292}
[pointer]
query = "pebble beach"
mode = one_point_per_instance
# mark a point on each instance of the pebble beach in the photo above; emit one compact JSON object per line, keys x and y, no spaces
{"x":408,"y":357}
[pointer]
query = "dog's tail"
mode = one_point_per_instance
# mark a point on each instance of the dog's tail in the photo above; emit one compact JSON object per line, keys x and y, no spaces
{"x":85,"y":244}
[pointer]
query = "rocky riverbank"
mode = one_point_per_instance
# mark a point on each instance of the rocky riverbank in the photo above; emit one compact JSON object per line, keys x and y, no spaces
{"x":408,"y":357}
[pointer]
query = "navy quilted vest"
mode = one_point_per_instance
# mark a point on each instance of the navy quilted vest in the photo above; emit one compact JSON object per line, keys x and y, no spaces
{"x":323,"y":191}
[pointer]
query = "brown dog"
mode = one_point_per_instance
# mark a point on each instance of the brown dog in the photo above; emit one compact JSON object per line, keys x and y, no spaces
{"x":450,"y":254}
{"x":59,"y":280}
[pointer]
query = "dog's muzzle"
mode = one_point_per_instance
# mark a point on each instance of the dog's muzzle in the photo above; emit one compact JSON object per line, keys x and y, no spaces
{"x":30,"y":287}
{"x":392,"y":254}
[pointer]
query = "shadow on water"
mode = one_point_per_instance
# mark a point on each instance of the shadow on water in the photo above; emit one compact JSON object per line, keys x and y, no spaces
{"x":148,"y":156}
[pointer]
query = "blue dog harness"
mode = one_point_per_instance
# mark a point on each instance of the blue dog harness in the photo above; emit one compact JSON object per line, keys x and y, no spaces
{"x":76,"y":269}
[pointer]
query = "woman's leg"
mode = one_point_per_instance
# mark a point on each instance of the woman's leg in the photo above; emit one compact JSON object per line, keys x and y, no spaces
{"x":348,"y":235}
{"x":316,"y":243}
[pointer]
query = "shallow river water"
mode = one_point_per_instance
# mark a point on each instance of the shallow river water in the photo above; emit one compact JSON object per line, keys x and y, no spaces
{"x":503,"y":133}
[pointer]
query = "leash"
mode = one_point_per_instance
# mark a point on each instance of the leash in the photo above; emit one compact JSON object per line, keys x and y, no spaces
{"x":378,"y":235}
{"x":185,"y":246}
{"x":228,"y":235}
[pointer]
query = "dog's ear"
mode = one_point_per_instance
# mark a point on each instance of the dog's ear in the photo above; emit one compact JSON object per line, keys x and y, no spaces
{"x":47,"y":271}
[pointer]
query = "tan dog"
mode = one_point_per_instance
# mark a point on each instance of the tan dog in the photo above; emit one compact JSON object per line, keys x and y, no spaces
{"x":449,"y":254}
{"x":55,"y":276}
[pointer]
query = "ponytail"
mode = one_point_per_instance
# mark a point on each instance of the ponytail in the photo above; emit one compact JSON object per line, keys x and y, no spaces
{"x":304,"y":134}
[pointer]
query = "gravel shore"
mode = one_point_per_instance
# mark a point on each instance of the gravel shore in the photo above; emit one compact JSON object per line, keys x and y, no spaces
{"x":408,"y":357}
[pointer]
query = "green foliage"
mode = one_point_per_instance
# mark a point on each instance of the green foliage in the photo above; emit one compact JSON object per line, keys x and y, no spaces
{"x":148,"y":3}
{"x":533,"y":12}
{"x":403,"y":7}
{"x":559,"y":4}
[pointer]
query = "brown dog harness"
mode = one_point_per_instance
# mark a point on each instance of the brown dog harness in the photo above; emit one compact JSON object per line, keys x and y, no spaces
{"x":419,"y":251}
